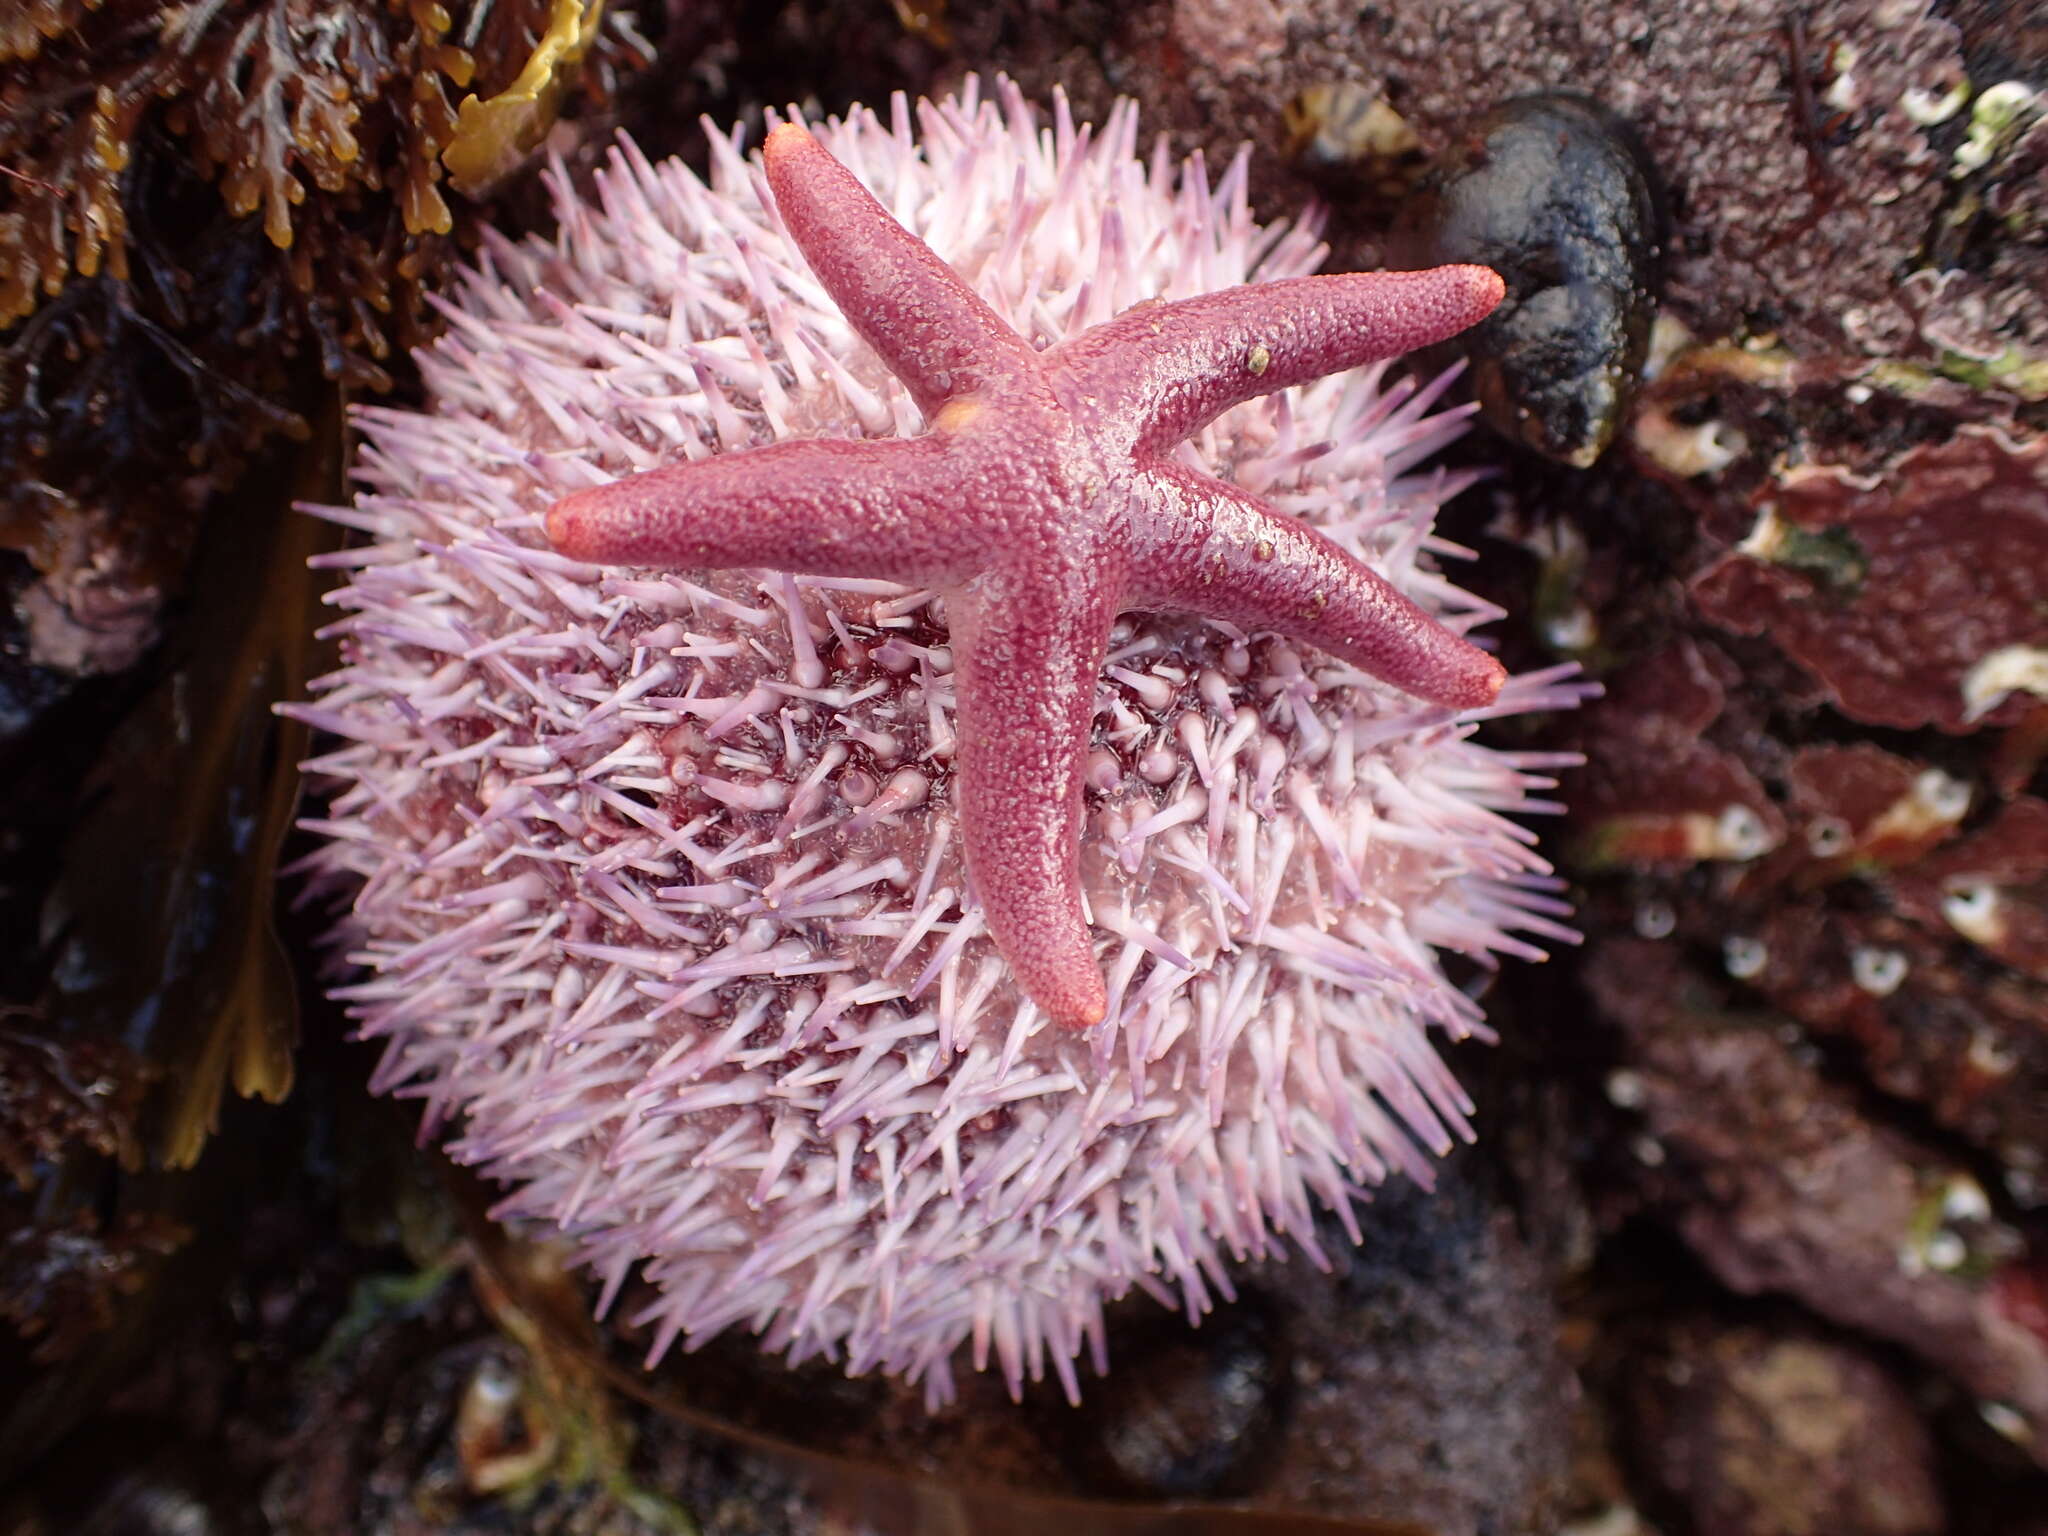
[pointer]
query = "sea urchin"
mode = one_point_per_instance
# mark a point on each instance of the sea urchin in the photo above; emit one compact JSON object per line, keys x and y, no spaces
{"x":657,"y":879}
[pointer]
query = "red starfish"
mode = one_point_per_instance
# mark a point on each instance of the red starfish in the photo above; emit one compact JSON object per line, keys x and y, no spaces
{"x":1041,"y":503}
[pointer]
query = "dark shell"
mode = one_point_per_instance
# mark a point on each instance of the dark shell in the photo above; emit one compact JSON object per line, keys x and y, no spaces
{"x":1556,"y":195}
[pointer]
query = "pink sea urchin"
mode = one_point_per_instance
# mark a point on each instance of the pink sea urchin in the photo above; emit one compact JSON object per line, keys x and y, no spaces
{"x":656,"y":877}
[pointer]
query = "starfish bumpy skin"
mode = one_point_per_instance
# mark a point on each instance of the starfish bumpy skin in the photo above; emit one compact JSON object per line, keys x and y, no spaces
{"x":658,"y":875}
{"x":1041,"y":506}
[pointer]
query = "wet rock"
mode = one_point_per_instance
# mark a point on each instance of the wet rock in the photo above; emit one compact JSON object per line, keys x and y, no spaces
{"x":1916,"y":597}
{"x":1887,"y":903}
{"x":1353,"y":143}
{"x":1186,"y":1413}
{"x":160,"y":1484}
{"x":64,"y":1280}
{"x":1428,"y":1385}
{"x":59,"y":1097}
{"x":1657,"y":788}
{"x":1874,"y":921}
{"x":95,"y":603}
{"x":1861,"y":808}
{"x":1416,"y":1380}
{"x":1801,"y":179}
{"x":1781,"y":1185}
{"x":1983,"y":296}
{"x":1925,"y":1021}
{"x":1755,"y":1432}
{"x":1992,"y":889}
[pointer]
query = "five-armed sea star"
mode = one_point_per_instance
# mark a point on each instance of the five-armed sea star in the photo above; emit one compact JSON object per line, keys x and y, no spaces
{"x":1041,"y":503}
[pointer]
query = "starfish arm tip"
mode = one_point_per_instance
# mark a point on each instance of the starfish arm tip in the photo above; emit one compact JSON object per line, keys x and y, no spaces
{"x":1490,"y":679}
{"x":595,"y":524}
{"x":1229,"y":556}
{"x":786,"y":139}
{"x":926,"y":322}
{"x":1445,"y":300}
{"x":1076,"y":1000}
{"x":1487,"y":286}
{"x":561,"y":523}
{"x":1460,"y":677}
{"x":1170,"y":368}
{"x":1454,"y":673}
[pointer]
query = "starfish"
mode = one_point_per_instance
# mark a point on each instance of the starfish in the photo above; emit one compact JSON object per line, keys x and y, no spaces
{"x":1041,"y":503}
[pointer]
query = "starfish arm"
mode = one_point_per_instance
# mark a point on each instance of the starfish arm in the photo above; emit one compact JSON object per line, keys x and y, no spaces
{"x":1170,"y":369}
{"x":817,"y":507}
{"x":1025,"y":666}
{"x":935,"y":333}
{"x":1215,"y":551}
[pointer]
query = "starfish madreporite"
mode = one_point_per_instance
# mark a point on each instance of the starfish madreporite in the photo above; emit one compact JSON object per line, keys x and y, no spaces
{"x":1043,"y":501}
